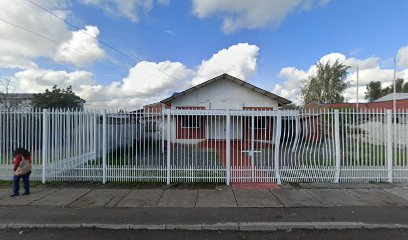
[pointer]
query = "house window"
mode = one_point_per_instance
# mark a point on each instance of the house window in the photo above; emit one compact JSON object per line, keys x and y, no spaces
{"x":191,"y":122}
{"x":260,"y":123}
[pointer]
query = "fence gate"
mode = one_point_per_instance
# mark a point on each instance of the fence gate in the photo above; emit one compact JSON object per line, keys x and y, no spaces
{"x":222,"y":145}
{"x":252,"y":143}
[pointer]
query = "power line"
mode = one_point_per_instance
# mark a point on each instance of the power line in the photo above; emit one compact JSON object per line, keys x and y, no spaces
{"x":56,"y":42}
{"x":101,"y":41}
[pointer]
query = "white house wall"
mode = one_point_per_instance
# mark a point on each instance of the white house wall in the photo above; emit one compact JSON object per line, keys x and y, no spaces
{"x":224,"y":95}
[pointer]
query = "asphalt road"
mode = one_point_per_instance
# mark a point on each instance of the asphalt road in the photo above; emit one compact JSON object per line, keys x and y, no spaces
{"x":56,"y":215}
{"x":82,"y":234}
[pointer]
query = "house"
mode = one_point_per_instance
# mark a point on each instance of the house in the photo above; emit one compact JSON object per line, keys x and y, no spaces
{"x":220,"y":93}
{"x":198,"y":117}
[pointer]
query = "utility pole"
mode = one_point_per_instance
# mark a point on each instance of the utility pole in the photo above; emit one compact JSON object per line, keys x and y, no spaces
{"x":357,"y":87}
{"x":394,"y":98}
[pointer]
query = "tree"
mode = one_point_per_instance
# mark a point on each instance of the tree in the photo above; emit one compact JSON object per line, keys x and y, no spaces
{"x":58,"y":98}
{"x":405,"y":88}
{"x":374,"y":91}
{"x":327,"y":84}
{"x":398,"y":87}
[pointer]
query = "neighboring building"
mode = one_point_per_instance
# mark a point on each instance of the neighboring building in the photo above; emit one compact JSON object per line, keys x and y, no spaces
{"x":16,"y":100}
{"x":374,"y":125}
{"x":382,"y":103}
{"x":21,"y":100}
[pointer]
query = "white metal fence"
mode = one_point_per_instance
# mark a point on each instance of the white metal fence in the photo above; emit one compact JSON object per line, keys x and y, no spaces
{"x":209,"y":145}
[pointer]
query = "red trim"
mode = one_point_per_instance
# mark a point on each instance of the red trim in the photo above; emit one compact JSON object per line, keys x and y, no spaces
{"x":259,"y":108}
{"x":192,"y":108}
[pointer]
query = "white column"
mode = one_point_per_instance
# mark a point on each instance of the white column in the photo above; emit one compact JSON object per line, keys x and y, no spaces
{"x":45,"y":146}
{"x":337,"y":144}
{"x":168,"y":145}
{"x":104,"y":146}
{"x":95,"y":136}
{"x":252,"y":146}
{"x":389,"y":145}
{"x":228,"y":146}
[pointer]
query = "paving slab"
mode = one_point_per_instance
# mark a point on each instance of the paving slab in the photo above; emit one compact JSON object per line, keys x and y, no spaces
{"x":346,"y":185}
{"x":36,"y":193}
{"x":378,"y":197}
{"x":216,"y":198}
{"x":337,"y":198}
{"x":296,"y":198}
{"x":61,"y":198}
{"x":141,"y":198}
{"x":401,"y":192}
{"x":256,"y":198}
{"x":97,"y":198}
{"x":117,"y":198}
{"x":178,"y":198}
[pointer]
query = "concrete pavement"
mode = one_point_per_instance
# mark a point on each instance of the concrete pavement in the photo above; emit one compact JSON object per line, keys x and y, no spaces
{"x":223,"y":208}
{"x":224,"y":196}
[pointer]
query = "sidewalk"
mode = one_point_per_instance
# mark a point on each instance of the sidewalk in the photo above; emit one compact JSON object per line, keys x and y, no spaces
{"x":328,"y":204}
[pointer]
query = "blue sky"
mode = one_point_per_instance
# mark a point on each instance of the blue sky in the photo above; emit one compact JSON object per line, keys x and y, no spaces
{"x":281,"y":41}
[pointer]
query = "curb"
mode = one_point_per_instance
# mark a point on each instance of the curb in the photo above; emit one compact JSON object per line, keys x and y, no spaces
{"x":226,"y":226}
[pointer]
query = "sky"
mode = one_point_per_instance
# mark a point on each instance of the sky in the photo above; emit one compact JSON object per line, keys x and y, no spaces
{"x":123,"y":54}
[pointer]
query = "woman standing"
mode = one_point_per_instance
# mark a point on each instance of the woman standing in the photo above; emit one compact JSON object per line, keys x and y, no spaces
{"x":22,"y":169}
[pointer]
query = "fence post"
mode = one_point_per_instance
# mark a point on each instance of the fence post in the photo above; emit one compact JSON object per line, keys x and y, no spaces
{"x":277,"y":145}
{"x":389,"y":145}
{"x":337,"y":144}
{"x":45,"y":146}
{"x":252,"y":146}
{"x":104,"y":146}
{"x":95,"y":136}
{"x":168,"y":146}
{"x":228,"y":146}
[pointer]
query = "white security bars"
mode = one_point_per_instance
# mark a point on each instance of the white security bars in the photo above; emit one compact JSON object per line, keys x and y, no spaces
{"x":197,"y":145}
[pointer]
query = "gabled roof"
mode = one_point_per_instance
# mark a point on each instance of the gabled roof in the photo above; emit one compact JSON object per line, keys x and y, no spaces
{"x":390,"y":97}
{"x":281,"y":101}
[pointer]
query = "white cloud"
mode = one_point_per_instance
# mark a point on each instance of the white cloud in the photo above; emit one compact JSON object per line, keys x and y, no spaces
{"x":238,"y":60}
{"x":37,"y":80}
{"x":146,"y":82}
{"x":16,"y":62}
{"x":369,"y":70}
{"x":130,"y":9}
{"x":148,"y":78}
{"x":244,"y":14}
{"x":18,"y":48}
{"x":81,"y":48}
{"x":402,"y":57}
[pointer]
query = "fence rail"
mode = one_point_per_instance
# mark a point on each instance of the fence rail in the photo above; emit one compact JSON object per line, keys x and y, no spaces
{"x":182,"y":145}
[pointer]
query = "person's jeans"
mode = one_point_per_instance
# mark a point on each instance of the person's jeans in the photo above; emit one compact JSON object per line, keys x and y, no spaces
{"x":16,"y":180}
